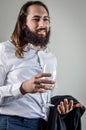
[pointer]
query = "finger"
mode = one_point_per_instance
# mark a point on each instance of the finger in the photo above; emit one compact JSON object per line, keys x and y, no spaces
{"x":66,"y":105}
{"x":62,"y":108}
{"x":45,"y":81}
{"x":58,"y":109}
{"x":43,"y":75}
{"x":43,"y":86}
{"x":41,"y":90}
{"x":78,"y":105}
{"x":71,"y":104}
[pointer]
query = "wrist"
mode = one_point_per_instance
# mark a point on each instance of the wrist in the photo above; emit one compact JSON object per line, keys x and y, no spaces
{"x":22,"y":89}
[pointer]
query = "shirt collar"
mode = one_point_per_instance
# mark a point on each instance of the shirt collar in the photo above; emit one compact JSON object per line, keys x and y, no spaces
{"x":30,"y":46}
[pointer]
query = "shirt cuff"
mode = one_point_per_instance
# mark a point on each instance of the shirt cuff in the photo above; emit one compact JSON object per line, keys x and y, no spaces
{"x":16,"y":90}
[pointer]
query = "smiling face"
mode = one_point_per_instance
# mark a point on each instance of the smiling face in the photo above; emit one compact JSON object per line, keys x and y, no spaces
{"x":38,"y":20}
{"x":32,"y":26}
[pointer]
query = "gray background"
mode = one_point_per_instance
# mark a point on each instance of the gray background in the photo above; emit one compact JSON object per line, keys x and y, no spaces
{"x":67,"y":42}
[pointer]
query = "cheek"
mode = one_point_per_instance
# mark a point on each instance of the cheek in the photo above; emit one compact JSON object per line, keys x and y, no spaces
{"x":48,"y":28}
{"x":31,"y":26}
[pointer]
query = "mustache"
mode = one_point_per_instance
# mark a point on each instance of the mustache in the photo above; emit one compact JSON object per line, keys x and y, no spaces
{"x":41,"y":29}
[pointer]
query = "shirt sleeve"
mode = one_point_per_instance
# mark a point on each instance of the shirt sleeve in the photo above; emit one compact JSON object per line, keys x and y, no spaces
{"x":10,"y":92}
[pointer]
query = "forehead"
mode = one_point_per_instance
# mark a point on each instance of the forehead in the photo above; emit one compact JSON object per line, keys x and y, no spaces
{"x":37,"y":10}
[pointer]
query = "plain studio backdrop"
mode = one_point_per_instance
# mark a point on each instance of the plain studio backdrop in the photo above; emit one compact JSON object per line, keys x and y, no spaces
{"x":67,"y":42}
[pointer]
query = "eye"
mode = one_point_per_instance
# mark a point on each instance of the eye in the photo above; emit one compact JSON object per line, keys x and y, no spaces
{"x":36,"y":19}
{"x":46,"y":19}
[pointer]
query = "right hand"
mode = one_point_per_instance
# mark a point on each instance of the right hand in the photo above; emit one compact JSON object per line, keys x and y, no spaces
{"x":37,"y":83}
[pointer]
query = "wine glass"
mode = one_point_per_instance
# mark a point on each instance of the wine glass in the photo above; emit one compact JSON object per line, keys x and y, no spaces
{"x":50,"y":68}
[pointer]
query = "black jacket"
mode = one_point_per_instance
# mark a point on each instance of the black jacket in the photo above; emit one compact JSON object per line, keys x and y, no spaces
{"x":70,"y":121}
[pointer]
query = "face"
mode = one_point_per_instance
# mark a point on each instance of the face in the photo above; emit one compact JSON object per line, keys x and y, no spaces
{"x":38,"y":20}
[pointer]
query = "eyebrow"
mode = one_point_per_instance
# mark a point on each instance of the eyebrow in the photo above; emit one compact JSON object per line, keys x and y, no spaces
{"x":37,"y":16}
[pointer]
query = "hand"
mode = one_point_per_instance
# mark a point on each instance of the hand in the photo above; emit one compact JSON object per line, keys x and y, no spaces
{"x":65,"y":107}
{"x":37,"y":83}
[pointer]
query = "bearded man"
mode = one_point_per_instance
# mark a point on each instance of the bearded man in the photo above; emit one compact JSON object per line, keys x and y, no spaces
{"x":24,"y":88}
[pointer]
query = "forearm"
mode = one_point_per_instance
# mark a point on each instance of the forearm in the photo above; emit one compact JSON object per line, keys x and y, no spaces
{"x":9,"y":93}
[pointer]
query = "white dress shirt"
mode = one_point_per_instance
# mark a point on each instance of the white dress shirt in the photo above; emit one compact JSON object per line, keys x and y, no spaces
{"x":13,"y":71}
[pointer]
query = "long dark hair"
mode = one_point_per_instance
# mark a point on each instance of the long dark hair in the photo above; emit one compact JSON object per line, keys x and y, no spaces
{"x":21,"y":25}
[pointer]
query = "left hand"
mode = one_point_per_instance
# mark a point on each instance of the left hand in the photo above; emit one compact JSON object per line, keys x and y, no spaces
{"x":65,"y":107}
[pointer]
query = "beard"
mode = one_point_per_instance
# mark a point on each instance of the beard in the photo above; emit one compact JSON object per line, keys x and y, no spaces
{"x":27,"y":36}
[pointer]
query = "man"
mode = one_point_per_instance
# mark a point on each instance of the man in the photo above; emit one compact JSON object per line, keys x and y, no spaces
{"x":22,"y":83}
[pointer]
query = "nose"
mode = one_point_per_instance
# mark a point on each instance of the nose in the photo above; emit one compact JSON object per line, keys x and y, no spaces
{"x":41,"y":23}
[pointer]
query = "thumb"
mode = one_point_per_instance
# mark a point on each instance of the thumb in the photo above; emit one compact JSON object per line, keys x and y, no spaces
{"x":78,"y":105}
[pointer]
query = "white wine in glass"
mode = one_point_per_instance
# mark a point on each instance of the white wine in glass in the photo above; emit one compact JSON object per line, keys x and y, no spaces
{"x":50,"y":68}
